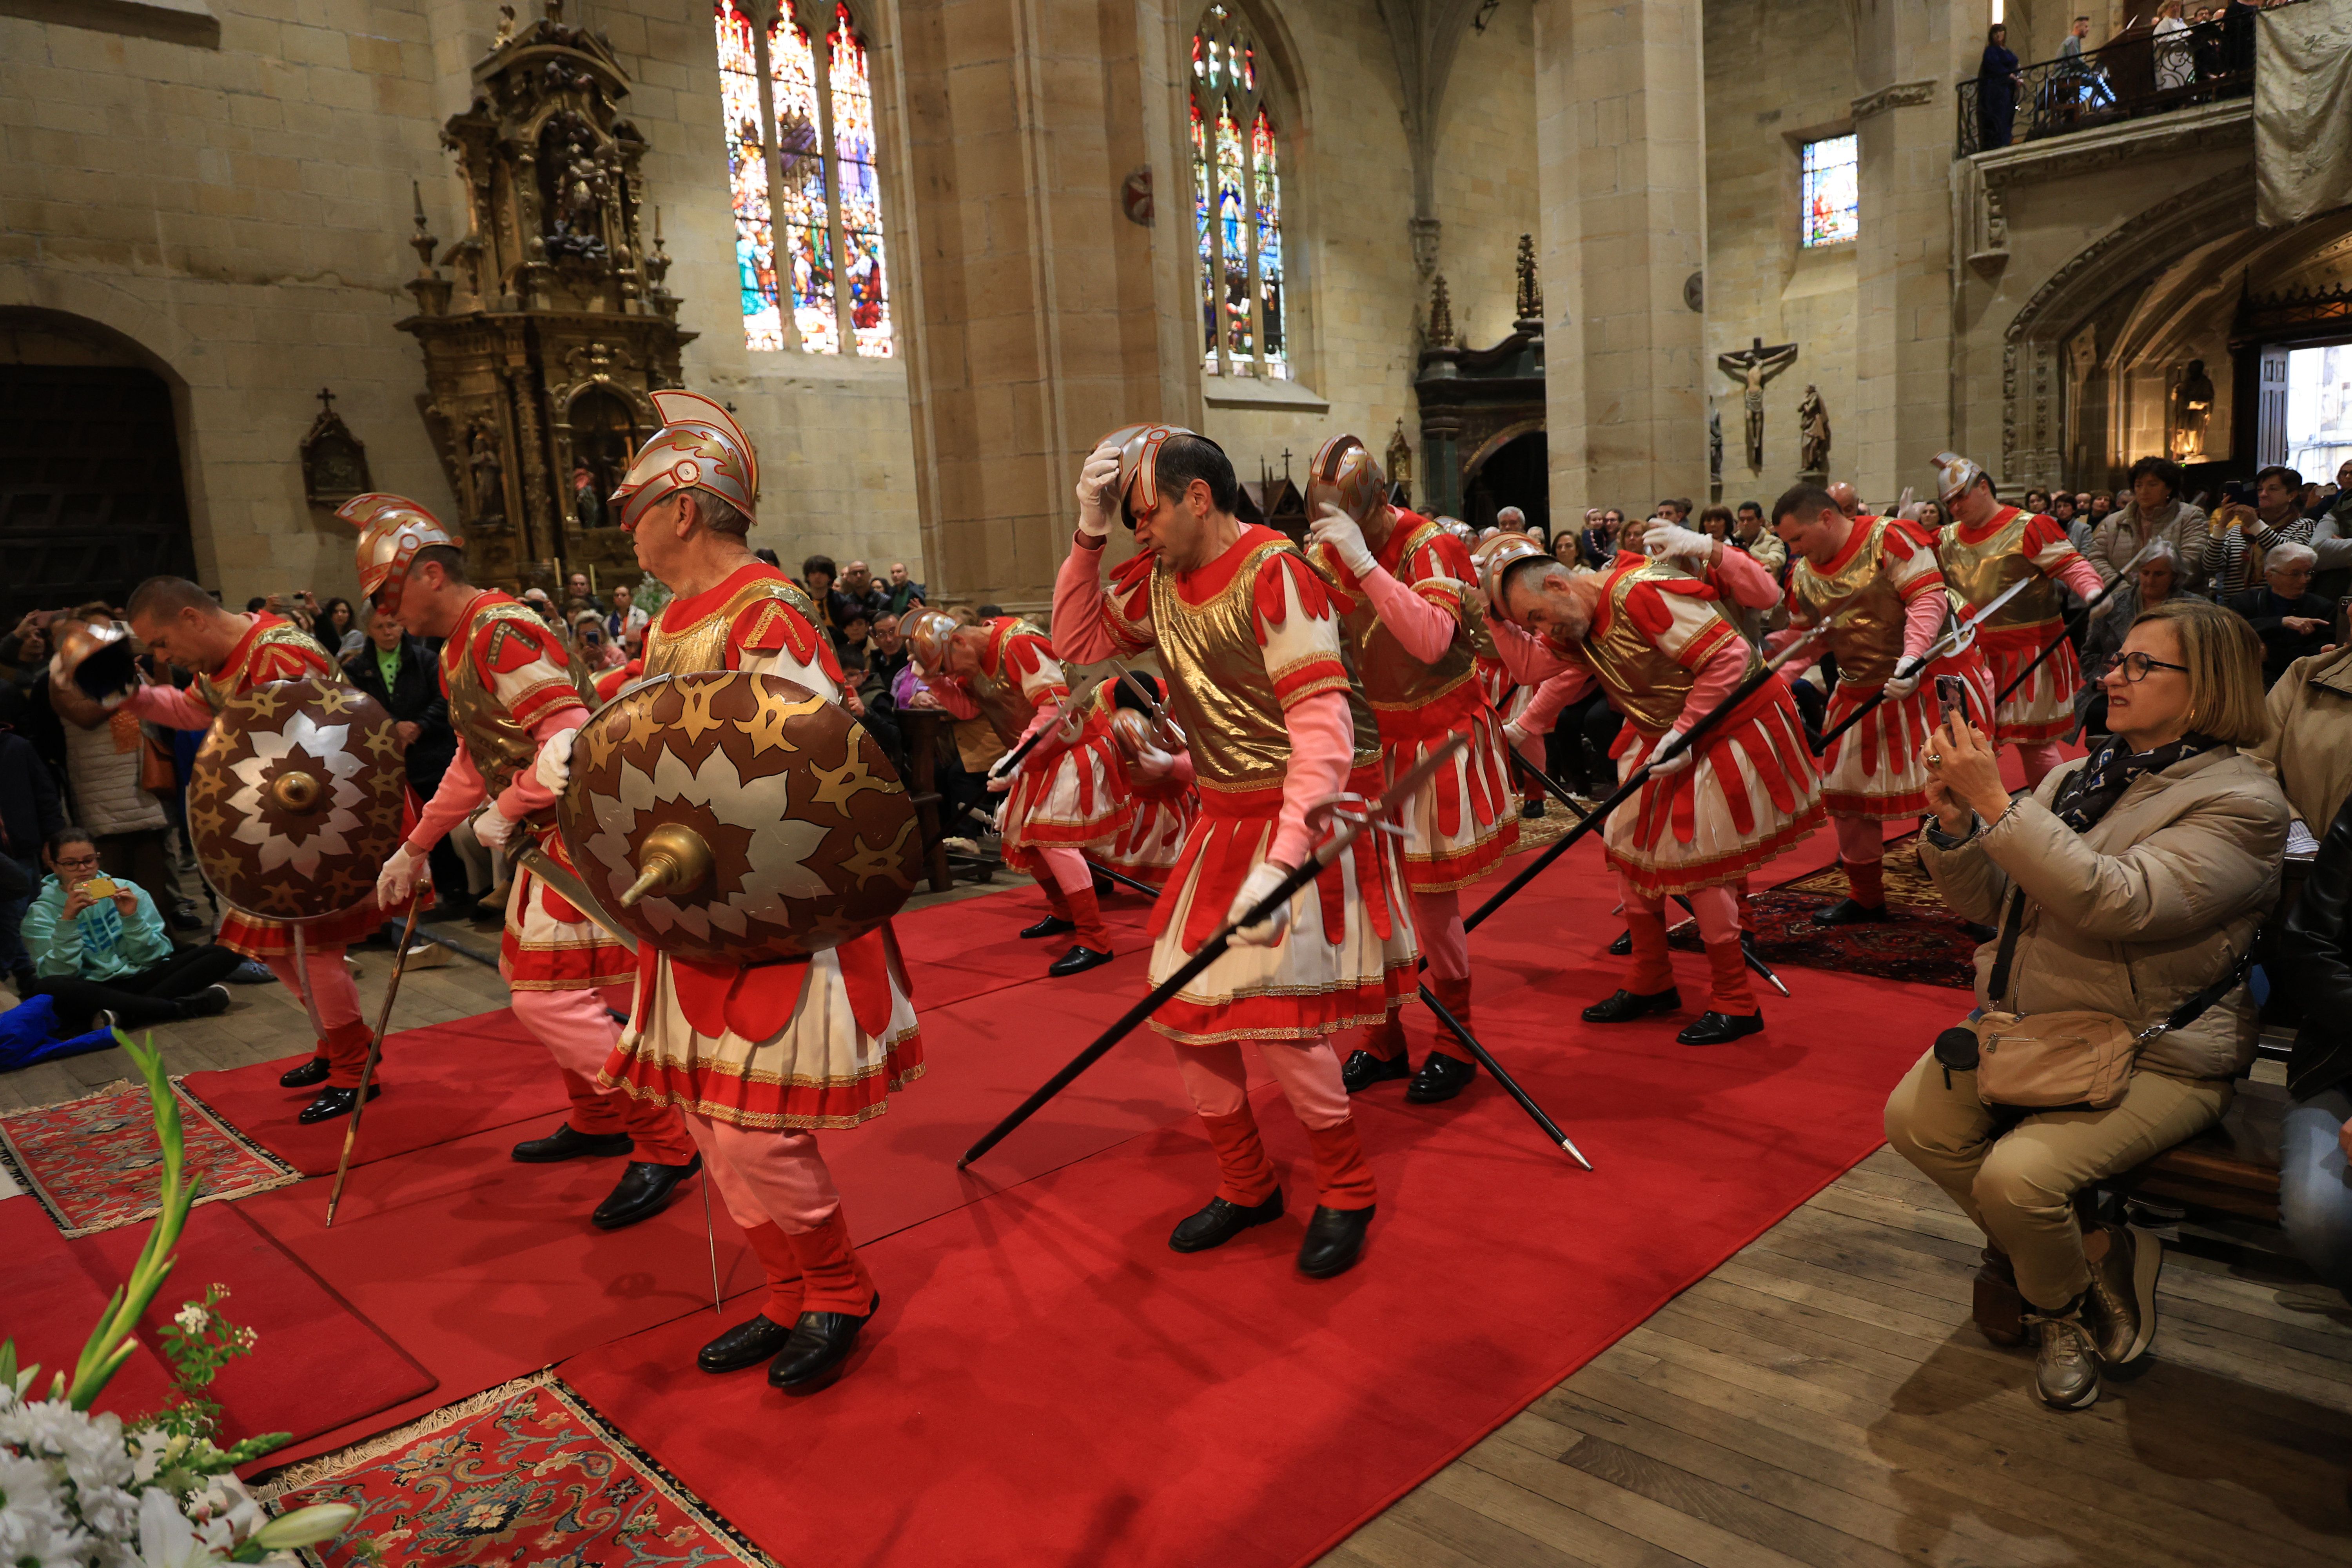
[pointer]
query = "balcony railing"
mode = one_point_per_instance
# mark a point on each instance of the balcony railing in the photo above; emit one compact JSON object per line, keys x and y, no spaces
{"x":2138,"y":73}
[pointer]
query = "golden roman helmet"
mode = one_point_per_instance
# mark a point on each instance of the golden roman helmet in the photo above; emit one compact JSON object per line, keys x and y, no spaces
{"x":1139,"y":466}
{"x":1345,"y":474}
{"x":1498,"y":555}
{"x":698,"y":446}
{"x":927,"y":632}
{"x":1458,"y":529}
{"x":1954,"y":474}
{"x":393,"y":528}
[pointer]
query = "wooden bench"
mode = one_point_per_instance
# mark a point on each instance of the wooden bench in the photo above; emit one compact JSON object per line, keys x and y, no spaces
{"x":2231,"y":1168}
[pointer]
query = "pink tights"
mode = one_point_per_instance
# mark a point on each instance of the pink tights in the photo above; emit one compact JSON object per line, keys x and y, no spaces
{"x":331,"y":989}
{"x":1437,"y":921}
{"x":1717,"y":908}
{"x":766,"y":1177}
{"x":1308,"y":1071}
{"x":2038,"y":759}
{"x":1067,"y":867}
{"x":1859,"y":841}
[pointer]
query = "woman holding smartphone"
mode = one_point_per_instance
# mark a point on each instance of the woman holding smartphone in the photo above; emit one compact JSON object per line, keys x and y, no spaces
{"x":100,"y":953}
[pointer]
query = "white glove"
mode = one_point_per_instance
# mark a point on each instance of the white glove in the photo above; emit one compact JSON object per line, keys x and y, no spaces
{"x":1097,"y":485}
{"x":1262,"y":879}
{"x":1513,"y":736}
{"x":1900,"y":686}
{"x":553,"y":770}
{"x":1673,"y":764}
{"x":398,"y":879}
{"x":1663,"y":538}
{"x":1337,"y":530}
{"x":494,"y":827}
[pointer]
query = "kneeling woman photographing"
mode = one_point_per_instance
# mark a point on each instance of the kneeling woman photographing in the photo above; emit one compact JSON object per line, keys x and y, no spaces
{"x":2111,"y":1011}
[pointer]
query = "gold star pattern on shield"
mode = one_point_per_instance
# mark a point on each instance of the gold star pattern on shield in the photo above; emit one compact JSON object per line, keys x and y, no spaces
{"x":344,"y":889}
{"x":642,"y":726}
{"x":264,"y":704}
{"x":383,"y":744}
{"x":828,"y":930}
{"x":867,"y":863}
{"x":696,"y":718}
{"x":602,"y":738}
{"x":835,"y":786}
{"x":766,"y":728}
{"x":333,"y":699}
{"x":206,"y":820}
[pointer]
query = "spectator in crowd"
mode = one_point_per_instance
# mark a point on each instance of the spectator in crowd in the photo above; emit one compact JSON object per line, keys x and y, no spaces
{"x":627,"y":623}
{"x":1671,"y":510}
{"x":2309,"y":751}
{"x":2061,"y":510}
{"x":769,"y":557}
{"x":1931,"y":517}
{"x":338,"y":630}
{"x":595,"y":643}
{"x":902,"y":593}
{"x":1568,"y":550}
{"x":2234,"y":543}
{"x":2102,"y":503}
{"x":2036,"y":501}
{"x":2292,"y":621}
{"x":2124,"y":883}
{"x":543,"y":606}
{"x":858,"y":590}
{"x":1716,"y":523}
{"x":818,"y":575}
{"x":1760,"y":541}
{"x":259,"y":601}
{"x":2313,"y":974}
{"x":1588,"y":544}
{"x":1997,"y":79}
{"x":578,"y":595}
{"x":2156,"y":580}
{"x":29,"y":812}
{"x":2175,"y":63}
{"x":100,"y":953}
{"x":2287,"y":510}
{"x":2153,"y":513}
{"x":401,"y":673}
{"x":111,"y":774}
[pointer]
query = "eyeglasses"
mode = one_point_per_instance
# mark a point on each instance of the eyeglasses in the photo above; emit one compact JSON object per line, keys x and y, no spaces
{"x":2133,"y":666}
{"x":78,"y":863}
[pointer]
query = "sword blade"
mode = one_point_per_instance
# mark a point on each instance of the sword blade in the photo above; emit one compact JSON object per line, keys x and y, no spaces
{"x":542,"y":865}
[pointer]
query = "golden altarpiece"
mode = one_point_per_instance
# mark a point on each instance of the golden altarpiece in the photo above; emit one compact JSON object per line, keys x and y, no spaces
{"x":546,"y":325}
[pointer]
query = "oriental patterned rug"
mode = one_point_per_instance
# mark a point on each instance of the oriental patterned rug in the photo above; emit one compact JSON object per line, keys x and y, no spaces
{"x":95,"y":1164}
{"x":528,"y":1473}
{"x":1924,"y":941}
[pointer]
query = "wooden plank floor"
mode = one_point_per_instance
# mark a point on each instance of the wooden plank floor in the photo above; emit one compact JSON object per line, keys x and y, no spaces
{"x":1820,"y":1399}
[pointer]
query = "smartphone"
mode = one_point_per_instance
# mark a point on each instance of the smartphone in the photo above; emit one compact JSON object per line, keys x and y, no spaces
{"x":100,"y":886}
{"x":1951,"y":700}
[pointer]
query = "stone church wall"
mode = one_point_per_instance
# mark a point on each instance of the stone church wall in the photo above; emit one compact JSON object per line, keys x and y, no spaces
{"x":239,"y":214}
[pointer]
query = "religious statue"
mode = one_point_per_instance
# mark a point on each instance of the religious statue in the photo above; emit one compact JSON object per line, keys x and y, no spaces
{"x":586,"y":504}
{"x":2192,"y":410}
{"x":1813,"y":433}
{"x":1752,"y":367}
{"x":488,"y":473}
{"x":1715,"y":446}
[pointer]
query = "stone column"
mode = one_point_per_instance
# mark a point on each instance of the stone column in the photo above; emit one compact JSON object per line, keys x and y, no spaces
{"x":1030,"y":307}
{"x":1906,"y":57}
{"x":1622,"y":181}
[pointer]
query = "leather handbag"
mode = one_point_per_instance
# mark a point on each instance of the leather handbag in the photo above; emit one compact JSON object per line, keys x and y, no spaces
{"x":2074,"y":1059}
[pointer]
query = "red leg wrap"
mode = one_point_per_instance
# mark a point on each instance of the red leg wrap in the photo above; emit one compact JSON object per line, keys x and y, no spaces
{"x":1245,"y":1174}
{"x":1343,"y":1178}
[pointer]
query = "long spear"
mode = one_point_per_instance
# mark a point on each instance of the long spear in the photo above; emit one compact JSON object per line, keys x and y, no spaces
{"x":1215,"y":947}
{"x":2067,"y":629}
{"x":376,"y":1049}
{"x":1951,"y":641}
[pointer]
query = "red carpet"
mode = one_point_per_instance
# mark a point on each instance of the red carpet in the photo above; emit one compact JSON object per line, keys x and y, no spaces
{"x":1049,"y":1379}
{"x":316,"y":1364}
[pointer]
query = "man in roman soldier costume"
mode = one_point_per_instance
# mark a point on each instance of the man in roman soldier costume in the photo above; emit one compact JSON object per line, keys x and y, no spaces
{"x":1989,"y":547}
{"x":1656,"y":641}
{"x":1409,"y":618}
{"x":757,"y":1057}
{"x":1878,"y":576}
{"x":1064,"y":794}
{"x":232,"y":653}
{"x":1277,"y":726}
{"x":513,"y":684}
{"x":1156,"y":770}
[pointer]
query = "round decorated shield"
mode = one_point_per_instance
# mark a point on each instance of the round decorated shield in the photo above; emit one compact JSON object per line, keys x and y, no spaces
{"x":295,"y":799}
{"x":729,"y":818}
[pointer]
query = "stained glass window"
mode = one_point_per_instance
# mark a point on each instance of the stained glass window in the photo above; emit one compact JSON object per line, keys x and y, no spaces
{"x":747,"y":178}
{"x":1832,"y":191}
{"x":1236,"y":203}
{"x":817,"y":156}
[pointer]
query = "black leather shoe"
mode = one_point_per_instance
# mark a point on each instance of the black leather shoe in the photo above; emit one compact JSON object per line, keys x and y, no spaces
{"x":1623,"y":1005}
{"x":1220,"y":1221}
{"x":815,"y":1354}
{"x":1975,"y":933}
{"x":567,"y":1143}
{"x":745,"y":1344}
{"x":644,"y":1190}
{"x":1715,"y":1029}
{"x":1622,"y":945}
{"x":1362,"y":1069}
{"x":334,"y":1102}
{"x":1531,"y":809}
{"x":1335,"y":1239}
{"x":313,"y":1071}
{"x":1052,"y":925}
{"x":1846,"y":912}
{"x":1441,"y":1077}
{"x":1078,"y":961}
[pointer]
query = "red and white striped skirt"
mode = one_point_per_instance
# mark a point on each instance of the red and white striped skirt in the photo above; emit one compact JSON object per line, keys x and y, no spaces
{"x":1752,"y":792}
{"x":1875,"y":772}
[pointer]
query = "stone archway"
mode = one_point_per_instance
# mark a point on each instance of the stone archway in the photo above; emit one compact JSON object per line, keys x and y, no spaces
{"x":92,"y":498}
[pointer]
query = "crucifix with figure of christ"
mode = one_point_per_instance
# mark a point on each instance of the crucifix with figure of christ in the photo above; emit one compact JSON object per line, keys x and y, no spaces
{"x":1752,"y":367}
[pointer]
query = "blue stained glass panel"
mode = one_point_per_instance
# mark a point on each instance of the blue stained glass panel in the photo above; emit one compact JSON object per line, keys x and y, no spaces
{"x":747,"y":178}
{"x":1832,"y":191}
{"x":861,"y":190}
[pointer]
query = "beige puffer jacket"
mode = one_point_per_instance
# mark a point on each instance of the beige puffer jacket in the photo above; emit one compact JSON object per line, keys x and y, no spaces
{"x":2154,"y":903}
{"x":2310,"y":748}
{"x":103,"y":767}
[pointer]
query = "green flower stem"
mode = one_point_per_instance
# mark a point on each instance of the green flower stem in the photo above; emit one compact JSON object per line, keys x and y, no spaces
{"x":112,"y":1341}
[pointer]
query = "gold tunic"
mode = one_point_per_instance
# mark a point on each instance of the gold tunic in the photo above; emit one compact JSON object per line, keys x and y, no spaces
{"x":499,"y":747}
{"x":218,"y":690}
{"x":1002,"y":701}
{"x":1978,"y":574}
{"x":1643,"y":682}
{"x":705,"y":643}
{"x":1869,"y":641}
{"x":1220,"y":691}
{"x":1393,"y":680}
